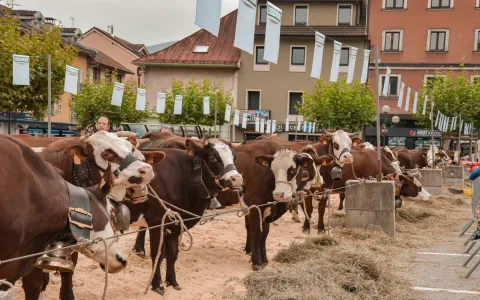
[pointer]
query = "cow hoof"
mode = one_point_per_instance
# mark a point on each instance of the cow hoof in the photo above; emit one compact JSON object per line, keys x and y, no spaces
{"x":306,"y":231}
{"x":264,"y":264}
{"x":398,"y":203}
{"x":321,"y":231}
{"x":296,"y":218}
{"x":257,"y":267}
{"x":139,"y":253}
{"x":178,"y":287}
{"x":159,"y":291}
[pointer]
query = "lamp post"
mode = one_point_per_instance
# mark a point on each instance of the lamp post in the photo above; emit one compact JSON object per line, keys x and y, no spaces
{"x":385,"y":120}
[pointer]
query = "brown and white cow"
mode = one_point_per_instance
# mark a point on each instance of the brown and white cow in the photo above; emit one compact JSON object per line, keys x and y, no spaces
{"x":29,"y":182}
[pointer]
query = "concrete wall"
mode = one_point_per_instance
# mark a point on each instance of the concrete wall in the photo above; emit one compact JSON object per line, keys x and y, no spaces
{"x":432,"y":181}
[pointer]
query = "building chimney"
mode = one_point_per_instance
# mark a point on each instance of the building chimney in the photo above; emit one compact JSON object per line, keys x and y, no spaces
{"x":110,"y":29}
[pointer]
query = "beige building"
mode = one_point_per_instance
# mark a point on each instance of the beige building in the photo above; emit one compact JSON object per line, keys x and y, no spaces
{"x":276,"y":88}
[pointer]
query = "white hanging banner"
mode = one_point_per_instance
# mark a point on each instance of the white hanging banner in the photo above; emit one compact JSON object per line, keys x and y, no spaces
{"x":455,"y":123}
{"x":141,"y":99}
{"x":161,"y":103}
{"x":208,"y":15}
{"x":228,"y":112}
{"x":245,"y":30}
{"x":448,"y":123}
{"x":438,"y":117}
{"x":117,"y":94}
{"x":269,"y":126}
{"x":400,"y":95}
{"x":337,"y":52}
{"x":71,"y":80}
{"x":415,"y":100}
{"x":318,"y":55}
{"x":366,"y":58}
{"x":431,"y":110}
{"x":287,"y":125}
{"x":305,"y":126}
{"x":206,"y":105}
{"x":257,"y":124}
{"x":236,"y":117}
{"x":461,"y":124}
{"x":177,"y":109}
{"x":442,"y":120}
{"x":272,"y":33}
{"x":407,"y":100}
{"x":299,"y":125}
{"x":425,"y":105}
{"x":274,"y":126}
{"x":21,"y":70}
{"x":386,"y":83}
{"x":262,"y":125}
{"x":351,"y":64}
{"x":313,"y":127}
{"x":244,"y":121}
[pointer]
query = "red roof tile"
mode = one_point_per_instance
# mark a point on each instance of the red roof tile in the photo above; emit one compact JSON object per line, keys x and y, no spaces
{"x":221,"y":50}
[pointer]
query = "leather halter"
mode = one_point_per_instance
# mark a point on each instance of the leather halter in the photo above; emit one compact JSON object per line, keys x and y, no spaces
{"x":128,"y":160}
{"x":198,"y":177}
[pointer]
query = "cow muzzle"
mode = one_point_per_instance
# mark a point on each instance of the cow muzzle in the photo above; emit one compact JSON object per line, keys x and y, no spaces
{"x":282,"y":194}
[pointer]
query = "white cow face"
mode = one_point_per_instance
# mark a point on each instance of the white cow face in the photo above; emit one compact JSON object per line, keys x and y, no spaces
{"x":340,"y":145}
{"x":287,"y":167}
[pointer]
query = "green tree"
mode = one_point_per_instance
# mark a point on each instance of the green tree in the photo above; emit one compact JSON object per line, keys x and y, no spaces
{"x":94,"y":100}
{"x":192,"y":109}
{"x":36,"y":44}
{"x":453,"y":94}
{"x":339,"y":105}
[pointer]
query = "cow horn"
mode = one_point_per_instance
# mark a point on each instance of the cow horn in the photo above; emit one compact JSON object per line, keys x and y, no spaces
{"x":84,"y":138}
{"x":327,"y":133}
{"x":126,"y":133}
{"x":352,"y":134}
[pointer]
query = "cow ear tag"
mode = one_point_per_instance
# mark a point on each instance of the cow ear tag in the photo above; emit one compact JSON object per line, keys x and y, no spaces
{"x":76,"y":159}
{"x":324,"y":163}
{"x":305,"y":164}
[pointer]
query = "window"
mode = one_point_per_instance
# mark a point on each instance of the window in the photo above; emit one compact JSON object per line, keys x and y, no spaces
{"x":478,"y":4}
{"x":475,"y":79}
{"x":60,"y":107}
{"x":430,"y":79}
{"x":393,"y":4}
{"x":393,"y":85}
{"x":301,"y":14}
{"x":263,"y":14}
{"x":345,"y":57}
{"x":344,"y":14}
{"x":295,"y":98}
{"x":96,"y":74}
{"x":392,"y":40}
{"x":201,"y":49}
{"x":259,"y":56}
{"x":476,"y":46}
{"x":440,"y":3}
{"x":253,"y":100}
{"x":298,"y":56}
{"x":438,"y":40}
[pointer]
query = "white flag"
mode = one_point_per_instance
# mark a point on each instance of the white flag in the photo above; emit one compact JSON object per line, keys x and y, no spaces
{"x":351,"y":64}
{"x":71,"y":80}
{"x":161,"y":103}
{"x":236,"y":118}
{"x":425,"y":105}
{"x":177,"y":109}
{"x":269,"y":125}
{"x":244,"y":121}
{"x":272,"y":33}
{"x":141,"y":99}
{"x":21,"y":70}
{"x":438,"y":117}
{"x":455,"y":123}
{"x":318,"y":55}
{"x":337,"y":52}
{"x":117,"y":94}
{"x":366,"y":58}
{"x":274,"y":126}
{"x":228,"y":112}
{"x":407,"y":100}
{"x":206,"y":105}
{"x":400,"y":95}
{"x":299,"y":125}
{"x":461,"y":124}
{"x":313,"y":127}
{"x":257,"y":124}
{"x":415,"y":100}
{"x":386,"y":83}
{"x":262,"y":125}
{"x":287,"y":126}
{"x":442,"y":121}
{"x":208,"y":15}
{"x":245,"y":30}
{"x":446,"y":125}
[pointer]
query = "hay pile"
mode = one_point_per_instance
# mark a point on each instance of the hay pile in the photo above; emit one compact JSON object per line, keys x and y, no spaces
{"x":322,"y":268}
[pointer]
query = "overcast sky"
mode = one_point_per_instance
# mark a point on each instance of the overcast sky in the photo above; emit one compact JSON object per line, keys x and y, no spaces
{"x":146,"y":22}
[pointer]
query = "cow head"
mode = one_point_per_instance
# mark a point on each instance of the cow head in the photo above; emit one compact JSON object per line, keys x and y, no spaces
{"x":104,"y":148}
{"x":411,"y":188}
{"x":219,"y":160}
{"x":339,"y":146}
{"x":287,"y":167}
{"x":389,"y":154}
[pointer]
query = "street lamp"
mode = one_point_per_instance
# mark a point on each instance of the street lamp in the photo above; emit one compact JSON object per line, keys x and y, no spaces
{"x":385,"y":120}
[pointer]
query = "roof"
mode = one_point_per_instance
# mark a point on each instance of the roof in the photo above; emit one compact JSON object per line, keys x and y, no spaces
{"x":107,"y":61}
{"x":134,"y":48}
{"x":26,"y":13}
{"x":221,"y":51}
{"x":158,"y":47}
{"x":69,"y":30}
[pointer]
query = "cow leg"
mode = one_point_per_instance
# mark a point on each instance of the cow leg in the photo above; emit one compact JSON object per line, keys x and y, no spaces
{"x":263,"y":243}
{"x":322,"y":204}
{"x":294,"y":211}
{"x":66,"y":289}
{"x":157,"y":277}
{"x":139,"y":247}
{"x":342,"y":198}
{"x":308,"y":206}
{"x":171,"y":253}
{"x":255,"y":239}
{"x":248,"y":248}
{"x":32,"y":284}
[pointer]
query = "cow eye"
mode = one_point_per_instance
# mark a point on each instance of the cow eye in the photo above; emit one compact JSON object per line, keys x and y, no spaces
{"x":213,"y":159}
{"x":105,"y":153}
{"x":336,"y":146}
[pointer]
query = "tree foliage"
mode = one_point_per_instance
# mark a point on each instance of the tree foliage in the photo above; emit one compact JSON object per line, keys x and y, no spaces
{"x":453,"y":94}
{"x":192,"y":109}
{"x":94,"y":100}
{"x":339,"y":105}
{"x":37,"y":45}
